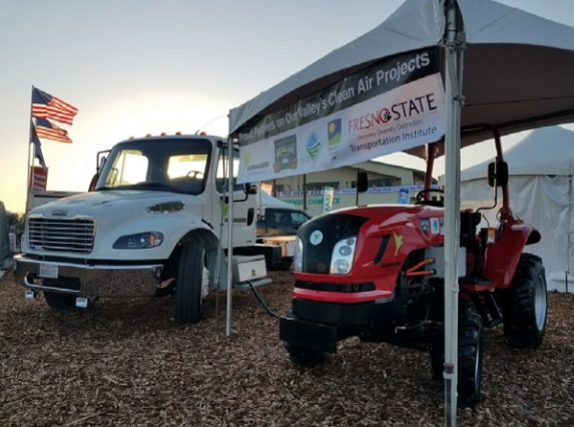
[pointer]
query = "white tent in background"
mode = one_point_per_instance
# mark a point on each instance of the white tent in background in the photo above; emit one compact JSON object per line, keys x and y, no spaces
{"x":540,"y":188}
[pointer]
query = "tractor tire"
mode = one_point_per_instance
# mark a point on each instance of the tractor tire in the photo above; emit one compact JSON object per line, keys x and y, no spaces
{"x":470,"y":355}
{"x":188,"y":295}
{"x":58,"y":301}
{"x":525,"y":312}
{"x":305,"y":356}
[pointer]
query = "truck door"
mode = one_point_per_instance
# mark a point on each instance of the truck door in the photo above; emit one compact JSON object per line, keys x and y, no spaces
{"x":244,"y":224}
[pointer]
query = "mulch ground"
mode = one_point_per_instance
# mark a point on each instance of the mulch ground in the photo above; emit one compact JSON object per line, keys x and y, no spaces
{"x":126,"y":363}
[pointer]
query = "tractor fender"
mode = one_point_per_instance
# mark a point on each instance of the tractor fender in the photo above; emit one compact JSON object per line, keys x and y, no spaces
{"x":503,"y":256}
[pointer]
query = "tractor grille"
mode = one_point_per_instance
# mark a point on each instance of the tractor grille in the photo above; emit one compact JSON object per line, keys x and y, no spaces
{"x":333,"y":228}
{"x":61,"y":235}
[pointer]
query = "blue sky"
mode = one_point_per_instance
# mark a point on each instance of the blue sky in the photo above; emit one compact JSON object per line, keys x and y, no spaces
{"x":137,"y":67}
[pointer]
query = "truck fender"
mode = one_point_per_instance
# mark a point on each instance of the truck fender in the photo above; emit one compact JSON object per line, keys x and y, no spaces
{"x":202,"y":232}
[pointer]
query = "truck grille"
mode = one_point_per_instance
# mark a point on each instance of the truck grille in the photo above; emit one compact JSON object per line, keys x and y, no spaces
{"x":61,"y":235}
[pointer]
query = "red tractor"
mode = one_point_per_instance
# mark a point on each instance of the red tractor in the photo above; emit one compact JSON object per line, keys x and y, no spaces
{"x":377,"y":272}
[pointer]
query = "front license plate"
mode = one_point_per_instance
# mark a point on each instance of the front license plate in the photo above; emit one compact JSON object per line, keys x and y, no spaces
{"x":49,"y":271}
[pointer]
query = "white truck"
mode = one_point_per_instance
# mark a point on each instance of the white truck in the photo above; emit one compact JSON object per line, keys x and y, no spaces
{"x":156,"y":224}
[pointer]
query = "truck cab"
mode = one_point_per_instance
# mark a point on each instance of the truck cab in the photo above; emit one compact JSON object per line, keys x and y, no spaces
{"x":157,"y":223}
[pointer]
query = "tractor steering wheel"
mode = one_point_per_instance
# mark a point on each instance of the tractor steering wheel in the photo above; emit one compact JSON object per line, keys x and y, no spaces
{"x":195,"y":174}
{"x":422,"y":198}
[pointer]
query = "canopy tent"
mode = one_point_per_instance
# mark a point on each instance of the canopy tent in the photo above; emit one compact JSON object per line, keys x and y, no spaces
{"x":540,"y":188}
{"x":517,"y":67}
{"x":515,"y":75}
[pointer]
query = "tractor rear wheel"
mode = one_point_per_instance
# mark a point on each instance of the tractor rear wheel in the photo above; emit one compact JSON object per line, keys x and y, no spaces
{"x":188,"y":288}
{"x":470,"y":338}
{"x":526,"y":306}
{"x":305,"y":356}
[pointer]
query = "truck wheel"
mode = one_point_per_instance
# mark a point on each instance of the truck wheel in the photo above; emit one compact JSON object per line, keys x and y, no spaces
{"x":304,"y":356}
{"x":470,"y":337}
{"x":526,"y":308}
{"x":58,"y":301}
{"x":188,"y":295}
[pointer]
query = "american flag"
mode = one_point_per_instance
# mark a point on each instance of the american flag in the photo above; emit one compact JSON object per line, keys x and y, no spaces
{"x":46,"y":106}
{"x":48,"y":130}
{"x":37,"y":146}
{"x":39,"y":179}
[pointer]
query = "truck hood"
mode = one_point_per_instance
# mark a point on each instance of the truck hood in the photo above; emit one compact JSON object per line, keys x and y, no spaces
{"x":112,"y":203}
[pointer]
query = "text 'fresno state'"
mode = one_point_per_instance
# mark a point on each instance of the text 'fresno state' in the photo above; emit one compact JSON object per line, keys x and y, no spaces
{"x":401,"y":110}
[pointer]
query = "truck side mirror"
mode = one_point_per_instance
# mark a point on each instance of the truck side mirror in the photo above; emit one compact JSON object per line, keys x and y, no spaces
{"x":250,"y":188}
{"x":362,"y":182}
{"x":498,"y":174}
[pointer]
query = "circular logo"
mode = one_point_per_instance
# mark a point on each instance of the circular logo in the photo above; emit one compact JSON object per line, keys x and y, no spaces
{"x":316,"y":237}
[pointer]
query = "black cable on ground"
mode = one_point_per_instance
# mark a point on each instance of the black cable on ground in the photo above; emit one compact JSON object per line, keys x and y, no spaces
{"x":267,"y":309}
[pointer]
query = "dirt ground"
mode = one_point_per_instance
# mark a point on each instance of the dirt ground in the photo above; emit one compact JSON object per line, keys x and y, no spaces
{"x":126,"y":363}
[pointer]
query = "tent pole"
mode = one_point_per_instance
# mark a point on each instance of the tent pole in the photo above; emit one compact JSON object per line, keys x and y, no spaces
{"x":451,"y":214}
{"x":305,"y":192}
{"x":231,"y":189}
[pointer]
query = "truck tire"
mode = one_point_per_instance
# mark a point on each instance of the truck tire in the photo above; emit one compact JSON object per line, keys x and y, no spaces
{"x":526,"y":306}
{"x":305,"y":356}
{"x":470,"y":338}
{"x":58,"y":301}
{"x":188,"y":297}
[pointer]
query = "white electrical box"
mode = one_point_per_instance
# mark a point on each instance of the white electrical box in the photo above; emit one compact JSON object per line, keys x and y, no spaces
{"x":437,"y":252}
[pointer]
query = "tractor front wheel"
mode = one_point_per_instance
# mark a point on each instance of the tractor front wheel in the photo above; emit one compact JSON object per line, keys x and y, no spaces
{"x":305,"y":356}
{"x":470,"y":337}
{"x":526,"y":305}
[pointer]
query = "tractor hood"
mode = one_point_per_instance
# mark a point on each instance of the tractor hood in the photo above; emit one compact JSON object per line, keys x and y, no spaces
{"x":366,"y":229}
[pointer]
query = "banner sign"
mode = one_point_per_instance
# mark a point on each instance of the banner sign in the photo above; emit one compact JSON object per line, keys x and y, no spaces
{"x":328,"y":196}
{"x":393,"y":105}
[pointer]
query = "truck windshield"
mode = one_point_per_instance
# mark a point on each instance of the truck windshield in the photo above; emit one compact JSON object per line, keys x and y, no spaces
{"x":178,"y":165}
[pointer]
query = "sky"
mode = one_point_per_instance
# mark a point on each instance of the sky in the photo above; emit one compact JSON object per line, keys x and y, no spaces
{"x":134,"y":67}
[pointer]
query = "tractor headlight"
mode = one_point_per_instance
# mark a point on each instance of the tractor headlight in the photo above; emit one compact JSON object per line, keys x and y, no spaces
{"x":343,"y":255}
{"x":298,"y":256}
{"x":151,"y":239}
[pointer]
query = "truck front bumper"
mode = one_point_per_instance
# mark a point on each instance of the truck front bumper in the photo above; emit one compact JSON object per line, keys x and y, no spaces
{"x":88,"y":280}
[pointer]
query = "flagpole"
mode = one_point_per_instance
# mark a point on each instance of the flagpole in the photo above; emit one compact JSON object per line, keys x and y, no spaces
{"x":29,"y":170}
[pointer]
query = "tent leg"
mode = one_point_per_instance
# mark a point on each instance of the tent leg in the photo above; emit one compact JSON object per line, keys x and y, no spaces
{"x":453,"y":87}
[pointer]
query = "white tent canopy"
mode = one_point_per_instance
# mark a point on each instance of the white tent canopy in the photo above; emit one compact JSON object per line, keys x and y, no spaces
{"x":540,"y":188}
{"x":517,"y":66}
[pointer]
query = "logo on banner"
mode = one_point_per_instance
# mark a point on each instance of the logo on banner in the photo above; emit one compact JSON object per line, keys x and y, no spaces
{"x":285,"y":153}
{"x":334,"y":132}
{"x":246,"y":159}
{"x":313,"y":146}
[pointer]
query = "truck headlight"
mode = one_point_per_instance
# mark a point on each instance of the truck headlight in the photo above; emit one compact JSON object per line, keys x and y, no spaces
{"x":298,"y":256}
{"x":151,"y":239}
{"x":343,"y":256}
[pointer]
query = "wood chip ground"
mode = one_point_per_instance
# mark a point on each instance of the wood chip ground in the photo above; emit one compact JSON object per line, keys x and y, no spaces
{"x":126,"y":363}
